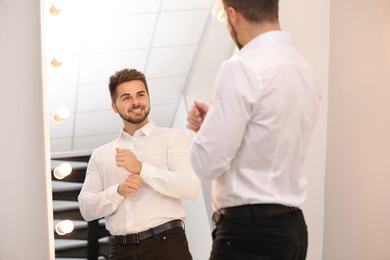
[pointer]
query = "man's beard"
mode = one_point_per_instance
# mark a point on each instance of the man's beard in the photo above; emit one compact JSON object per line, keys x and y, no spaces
{"x":135,"y":120}
{"x":233,"y":33}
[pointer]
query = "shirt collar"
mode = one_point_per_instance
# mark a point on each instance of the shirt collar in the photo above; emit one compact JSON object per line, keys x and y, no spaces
{"x":271,"y":37}
{"x":147,"y":130}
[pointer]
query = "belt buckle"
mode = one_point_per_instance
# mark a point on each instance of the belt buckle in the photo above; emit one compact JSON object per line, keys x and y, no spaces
{"x":136,"y":238}
{"x":217,"y":217}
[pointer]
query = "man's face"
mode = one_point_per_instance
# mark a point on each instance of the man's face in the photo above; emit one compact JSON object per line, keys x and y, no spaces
{"x":132,"y":102}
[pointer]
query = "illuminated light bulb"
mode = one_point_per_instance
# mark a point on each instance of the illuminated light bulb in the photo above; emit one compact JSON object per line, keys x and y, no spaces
{"x":64,"y":227}
{"x":61,"y":114}
{"x":54,"y":11}
{"x":57,"y":6}
{"x":62,"y":171}
{"x":221,"y":16}
{"x":56,"y":62}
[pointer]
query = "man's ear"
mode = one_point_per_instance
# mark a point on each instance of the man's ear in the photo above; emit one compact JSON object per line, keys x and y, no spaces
{"x":114,"y":107}
{"x":233,"y":14}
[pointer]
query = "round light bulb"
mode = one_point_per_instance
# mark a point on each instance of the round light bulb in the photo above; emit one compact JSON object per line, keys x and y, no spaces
{"x":221,"y":16}
{"x":56,"y":62}
{"x":54,"y":11}
{"x":62,"y":171}
{"x":63,"y":111}
{"x":64,"y":227}
{"x":61,"y":114}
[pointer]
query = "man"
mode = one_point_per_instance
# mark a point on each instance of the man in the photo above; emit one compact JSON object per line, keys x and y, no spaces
{"x":253,"y":139}
{"x":138,"y":181}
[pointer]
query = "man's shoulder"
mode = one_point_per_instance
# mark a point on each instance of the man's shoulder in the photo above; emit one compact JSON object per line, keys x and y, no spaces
{"x":171,"y":131}
{"x":161,"y":130}
{"x":105,"y":147}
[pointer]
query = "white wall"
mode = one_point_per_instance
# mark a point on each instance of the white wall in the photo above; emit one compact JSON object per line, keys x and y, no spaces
{"x":198,"y":222}
{"x":26,"y":220}
{"x":357,"y":209}
{"x":309,"y":23}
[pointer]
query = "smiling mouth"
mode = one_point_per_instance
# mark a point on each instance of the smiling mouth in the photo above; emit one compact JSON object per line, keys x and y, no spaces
{"x":136,"y":110}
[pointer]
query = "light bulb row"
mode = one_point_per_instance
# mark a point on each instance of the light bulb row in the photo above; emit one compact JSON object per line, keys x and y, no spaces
{"x":55,"y":9}
{"x":66,"y":226}
{"x":62,"y":112}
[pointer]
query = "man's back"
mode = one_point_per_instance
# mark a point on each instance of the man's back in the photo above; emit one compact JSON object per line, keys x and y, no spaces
{"x":271,"y":97}
{"x":253,"y":138}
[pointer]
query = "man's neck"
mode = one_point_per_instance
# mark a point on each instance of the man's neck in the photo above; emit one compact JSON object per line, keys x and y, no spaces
{"x":252,"y":30}
{"x":132,"y":128}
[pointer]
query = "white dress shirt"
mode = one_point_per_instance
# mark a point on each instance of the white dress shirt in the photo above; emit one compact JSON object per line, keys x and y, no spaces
{"x":166,"y":170}
{"x":254,"y":138}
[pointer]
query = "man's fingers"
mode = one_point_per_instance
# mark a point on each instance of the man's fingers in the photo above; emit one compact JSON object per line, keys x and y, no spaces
{"x":134,"y":185}
{"x":119,"y":160}
{"x":119,"y":150}
{"x":193,"y":127}
{"x":193,"y":114}
{"x":201,"y":107}
{"x":121,"y":154}
{"x":120,"y":164}
{"x":198,"y":104}
{"x":195,"y":110}
{"x":134,"y":182}
{"x":195,"y":118}
{"x":122,"y":149}
{"x":135,"y":178}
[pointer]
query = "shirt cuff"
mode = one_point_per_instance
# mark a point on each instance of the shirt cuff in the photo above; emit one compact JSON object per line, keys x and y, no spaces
{"x":147,"y":173}
{"x":113,"y":195}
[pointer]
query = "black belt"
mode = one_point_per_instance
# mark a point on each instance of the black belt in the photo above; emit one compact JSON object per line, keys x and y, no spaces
{"x":137,"y":237}
{"x":251,"y":211}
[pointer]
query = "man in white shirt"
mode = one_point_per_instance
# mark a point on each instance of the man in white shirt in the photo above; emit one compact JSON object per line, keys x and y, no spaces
{"x":253,"y":138}
{"x":138,"y":181}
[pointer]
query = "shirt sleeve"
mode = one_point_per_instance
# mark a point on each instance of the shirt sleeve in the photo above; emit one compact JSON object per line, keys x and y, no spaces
{"x":179,"y":180}
{"x":94,"y":201}
{"x":223,"y":129}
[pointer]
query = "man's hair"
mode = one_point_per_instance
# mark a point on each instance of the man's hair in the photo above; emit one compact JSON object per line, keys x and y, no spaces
{"x":122,"y":76}
{"x":255,"y":10}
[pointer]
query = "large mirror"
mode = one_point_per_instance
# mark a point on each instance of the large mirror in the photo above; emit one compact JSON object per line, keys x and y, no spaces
{"x":178,"y":44}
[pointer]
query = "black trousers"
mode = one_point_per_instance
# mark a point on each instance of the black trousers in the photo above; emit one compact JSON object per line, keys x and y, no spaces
{"x":273,"y":237}
{"x":169,"y":245}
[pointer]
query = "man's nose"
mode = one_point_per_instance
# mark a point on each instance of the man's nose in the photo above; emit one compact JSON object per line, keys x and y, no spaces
{"x":134,"y":102}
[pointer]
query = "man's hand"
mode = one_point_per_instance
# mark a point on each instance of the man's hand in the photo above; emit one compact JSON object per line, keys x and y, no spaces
{"x":196,"y":116}
{"x":131,"y":185}
{"x":126,"y":159}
